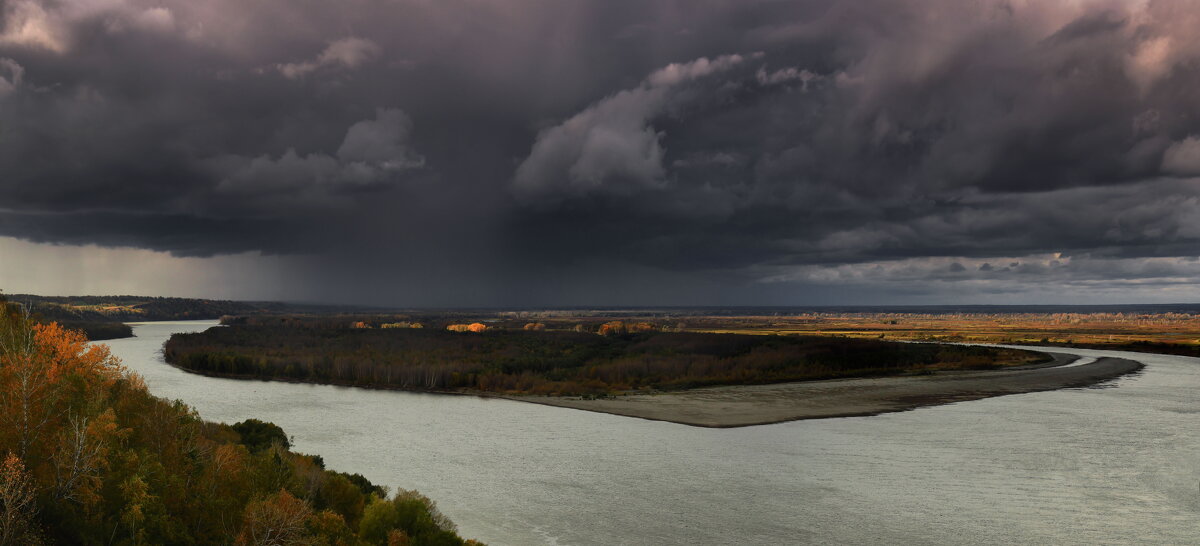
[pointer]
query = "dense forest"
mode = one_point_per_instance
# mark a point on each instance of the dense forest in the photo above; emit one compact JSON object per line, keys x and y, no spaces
{"x":88,"y":456}
{"x":530,"y":360}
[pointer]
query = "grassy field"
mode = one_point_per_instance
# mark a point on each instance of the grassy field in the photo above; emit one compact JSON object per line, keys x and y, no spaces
{"x":1116,"y":329}
{"x":1162,"y":331}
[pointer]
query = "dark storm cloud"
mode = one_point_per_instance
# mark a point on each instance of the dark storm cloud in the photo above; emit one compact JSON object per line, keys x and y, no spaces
{"x":719,"y":141}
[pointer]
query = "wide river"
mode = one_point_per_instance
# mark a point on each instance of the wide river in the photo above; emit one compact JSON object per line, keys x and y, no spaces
{"x":1083,"y":466}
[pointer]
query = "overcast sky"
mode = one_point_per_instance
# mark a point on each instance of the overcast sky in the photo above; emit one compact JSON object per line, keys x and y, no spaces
{"x":602,"y":152}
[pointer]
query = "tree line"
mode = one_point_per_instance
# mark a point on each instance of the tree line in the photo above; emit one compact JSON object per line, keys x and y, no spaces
{"x":551,"y":362}
{"x":88,"y":456}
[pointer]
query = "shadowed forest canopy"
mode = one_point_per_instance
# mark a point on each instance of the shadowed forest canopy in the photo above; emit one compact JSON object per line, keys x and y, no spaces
{"x":617,"y":357}
{"x":90,"y":457}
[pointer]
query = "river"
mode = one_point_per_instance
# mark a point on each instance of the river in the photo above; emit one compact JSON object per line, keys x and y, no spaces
{"x":1118,"y":464}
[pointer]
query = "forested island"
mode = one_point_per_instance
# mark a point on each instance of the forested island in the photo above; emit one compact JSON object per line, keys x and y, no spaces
{"x":614,"y":357}
{"x":104,"y":317}
{"x":90,"y":457}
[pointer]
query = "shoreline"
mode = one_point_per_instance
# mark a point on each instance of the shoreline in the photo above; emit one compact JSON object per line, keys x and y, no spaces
{"x":751,"y":405}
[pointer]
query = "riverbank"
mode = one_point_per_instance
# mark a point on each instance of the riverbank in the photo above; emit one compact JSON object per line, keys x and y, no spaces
{"x":746,"y":405}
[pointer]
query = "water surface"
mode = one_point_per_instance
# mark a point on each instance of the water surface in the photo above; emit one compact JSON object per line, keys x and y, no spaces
{"x":1081,"y":466}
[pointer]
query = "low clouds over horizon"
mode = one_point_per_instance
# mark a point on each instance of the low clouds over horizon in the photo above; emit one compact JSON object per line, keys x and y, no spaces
{"x":478,"y":152}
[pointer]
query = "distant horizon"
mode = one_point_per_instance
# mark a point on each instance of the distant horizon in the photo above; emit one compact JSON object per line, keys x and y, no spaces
{"x":617,"y":308}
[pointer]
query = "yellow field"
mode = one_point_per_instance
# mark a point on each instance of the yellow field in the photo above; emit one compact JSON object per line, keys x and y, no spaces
{"x":1094,"y":328}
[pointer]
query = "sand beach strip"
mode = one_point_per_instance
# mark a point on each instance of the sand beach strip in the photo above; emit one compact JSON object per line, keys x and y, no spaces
{"x":745,"y":405}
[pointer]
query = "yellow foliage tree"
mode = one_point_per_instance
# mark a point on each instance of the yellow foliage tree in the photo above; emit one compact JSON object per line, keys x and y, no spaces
{"x":277,"y":521}
{"x":642,"y":327}
{"x":17,"y":503}
{"x":613,"y":328}
{"x":52,"y":381}
{"x":473,"y":327}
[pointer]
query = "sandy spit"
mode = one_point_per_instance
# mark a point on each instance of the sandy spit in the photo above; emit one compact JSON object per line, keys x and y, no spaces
{"x":746,"y":405}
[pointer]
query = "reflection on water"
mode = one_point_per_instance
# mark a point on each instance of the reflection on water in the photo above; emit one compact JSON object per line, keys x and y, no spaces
{"x":1078,"y":466}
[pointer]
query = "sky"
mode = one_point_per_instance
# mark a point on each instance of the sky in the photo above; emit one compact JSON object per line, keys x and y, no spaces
{"x":602,"y":152}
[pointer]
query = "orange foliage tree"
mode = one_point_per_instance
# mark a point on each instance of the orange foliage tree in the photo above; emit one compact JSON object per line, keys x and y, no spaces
{"x":89,"y":456}
{"x":475,"y":327}
{"x":51,"y":406}
{"x":17,"y":506}
{"x":279,"y":520}
{"x":613,"y":328}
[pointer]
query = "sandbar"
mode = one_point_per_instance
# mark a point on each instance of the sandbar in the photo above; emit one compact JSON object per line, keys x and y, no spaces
{"x":746,"y":405}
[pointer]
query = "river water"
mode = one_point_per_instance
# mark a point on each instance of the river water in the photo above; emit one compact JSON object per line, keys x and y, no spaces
{"x":1119,"y":464}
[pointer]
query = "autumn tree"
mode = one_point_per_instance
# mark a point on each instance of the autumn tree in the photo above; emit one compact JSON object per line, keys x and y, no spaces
{"x":93,"y":458}
{"x":327,"y":528}
{"x":276,"y":521}
{"x":415,"y":516}
{"x":51,"y":406}
{"x":17,"y":506}
{"x":642,"y":327}
{"x":475,"y":327}
{"x":613,"y":328}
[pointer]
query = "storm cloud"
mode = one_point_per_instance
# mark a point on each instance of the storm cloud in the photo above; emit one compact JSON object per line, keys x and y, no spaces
{"x":533,"y":151}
